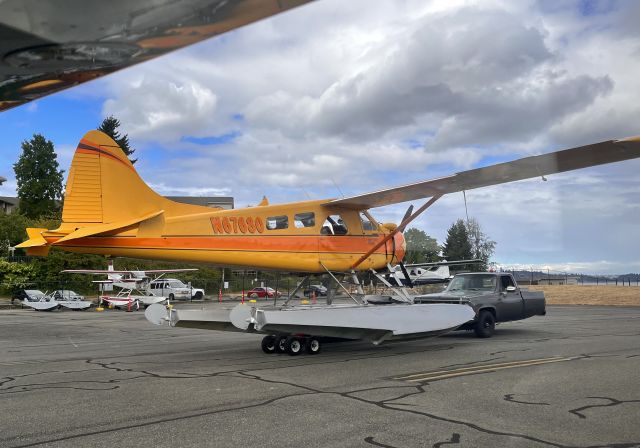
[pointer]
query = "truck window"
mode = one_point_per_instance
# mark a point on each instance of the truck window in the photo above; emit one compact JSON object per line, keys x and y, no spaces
{"x":506,"y":281}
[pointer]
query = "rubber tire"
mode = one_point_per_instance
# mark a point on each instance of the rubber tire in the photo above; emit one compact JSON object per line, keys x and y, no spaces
{"x":294,"y":345}
{"x":253,"y":295}
{"x":280,"y":344}
{"x":313,"y":346}
{"x":485,"y":325}
{"x":198,"y":295}
{"x":269,"y":344}
{"x":171,"y":297}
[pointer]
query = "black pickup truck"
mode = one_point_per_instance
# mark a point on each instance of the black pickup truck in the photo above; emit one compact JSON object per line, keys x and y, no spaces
{"x":495,"y":297}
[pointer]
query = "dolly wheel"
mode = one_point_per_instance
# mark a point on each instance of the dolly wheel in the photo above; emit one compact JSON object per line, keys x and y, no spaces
{"x":280,"y":344}
{"x":294,"y":345}
{"x":313,"y":346}
{"x":269,"y":344}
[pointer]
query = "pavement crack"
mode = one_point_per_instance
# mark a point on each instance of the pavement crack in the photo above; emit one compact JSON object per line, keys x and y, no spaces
{"x":612,"y":402}
{"x":454,"y":440}
{"x":509,"y":398}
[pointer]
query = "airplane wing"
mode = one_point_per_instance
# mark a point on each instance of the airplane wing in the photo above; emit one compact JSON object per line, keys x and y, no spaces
{"x":49,"y":46}
{"x":103,"y":271}
{"x":526,"y":168}
{"x":94,"y":271}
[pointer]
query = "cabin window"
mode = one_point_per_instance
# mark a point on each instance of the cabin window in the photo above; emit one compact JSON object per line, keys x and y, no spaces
{"x":278,"y":222}
{"x":367,"y":223}
{"x":302,"y":220}
{"x":334,"y":225}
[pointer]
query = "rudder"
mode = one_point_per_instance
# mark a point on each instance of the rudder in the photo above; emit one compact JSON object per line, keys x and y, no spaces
{"x":103,"y":186}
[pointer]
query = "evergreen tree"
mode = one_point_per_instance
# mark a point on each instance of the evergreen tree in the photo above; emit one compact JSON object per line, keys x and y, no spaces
{"x":39,"y":181}
{"x":457,"y":246}
{"x":421,"y":248}
{"x":110,"y":127}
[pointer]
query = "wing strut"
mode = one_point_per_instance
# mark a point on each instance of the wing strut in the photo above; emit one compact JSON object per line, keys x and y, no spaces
{"x":405,"y":222}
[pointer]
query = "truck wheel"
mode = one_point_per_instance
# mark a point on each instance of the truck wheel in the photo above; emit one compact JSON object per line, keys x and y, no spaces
{"x":269,"y":344}
{"x":280,"y":344}
{"x":313,"y":346}
{"x":198,"y":295}
{"x":485,"y":325}
{"x":294,"y":345}
{"x":171,"y":297}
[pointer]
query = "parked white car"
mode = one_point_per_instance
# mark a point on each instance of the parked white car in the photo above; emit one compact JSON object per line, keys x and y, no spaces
{"x":172,"y":288}
{"x":66,"y":294}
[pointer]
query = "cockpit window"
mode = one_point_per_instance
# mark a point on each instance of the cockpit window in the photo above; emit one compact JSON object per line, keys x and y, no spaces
{"x":278,"y":222}
{"x":367,"y":224}
{"x":307,"y":219}
{"x":334,"y":225}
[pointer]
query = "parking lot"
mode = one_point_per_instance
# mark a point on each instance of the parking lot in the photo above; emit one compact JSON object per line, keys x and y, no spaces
{"x":112,"y":379}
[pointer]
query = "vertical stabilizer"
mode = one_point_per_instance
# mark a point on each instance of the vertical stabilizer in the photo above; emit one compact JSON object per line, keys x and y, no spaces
{"x":103,"y":186}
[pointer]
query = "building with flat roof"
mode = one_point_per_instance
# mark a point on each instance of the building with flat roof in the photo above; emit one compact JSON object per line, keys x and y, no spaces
{"x":8,"y":204}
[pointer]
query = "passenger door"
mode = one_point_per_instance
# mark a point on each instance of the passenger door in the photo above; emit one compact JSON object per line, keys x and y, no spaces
{"x":510,"y":303}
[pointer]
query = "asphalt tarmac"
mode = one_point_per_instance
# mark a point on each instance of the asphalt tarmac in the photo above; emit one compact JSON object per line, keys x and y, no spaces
{"x":81,"y":379}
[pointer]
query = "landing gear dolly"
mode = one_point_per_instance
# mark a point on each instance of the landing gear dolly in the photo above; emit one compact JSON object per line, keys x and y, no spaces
{"x":291,"y":344}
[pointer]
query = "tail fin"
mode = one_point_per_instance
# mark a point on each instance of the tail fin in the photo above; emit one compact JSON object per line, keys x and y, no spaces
{"x":104,"y":193}
{"x":103,"y":186}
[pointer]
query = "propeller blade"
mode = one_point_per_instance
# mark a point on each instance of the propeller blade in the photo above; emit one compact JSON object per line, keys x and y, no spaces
{"x":407,"y":214}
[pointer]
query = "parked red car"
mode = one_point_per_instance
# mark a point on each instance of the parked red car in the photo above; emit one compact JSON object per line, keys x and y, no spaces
{"x":262,"y":292}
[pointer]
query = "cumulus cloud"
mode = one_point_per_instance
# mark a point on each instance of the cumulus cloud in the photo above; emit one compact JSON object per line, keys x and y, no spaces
{"x":387,"y":93}
{"x":158,"y":109}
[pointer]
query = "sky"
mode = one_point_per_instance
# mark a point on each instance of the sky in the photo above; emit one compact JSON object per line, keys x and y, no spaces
{"x":340,"y":98}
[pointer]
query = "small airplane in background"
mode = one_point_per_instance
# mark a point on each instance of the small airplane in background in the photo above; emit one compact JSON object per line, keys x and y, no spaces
{"x":134,"y":286}
{"x":425,"y":273}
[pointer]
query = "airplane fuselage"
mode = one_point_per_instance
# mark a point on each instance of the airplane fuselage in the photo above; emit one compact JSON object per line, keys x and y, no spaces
{"x":295,"y":237}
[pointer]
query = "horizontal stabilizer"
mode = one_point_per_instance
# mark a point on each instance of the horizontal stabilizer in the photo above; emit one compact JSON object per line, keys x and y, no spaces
{"x":36,"y":245}
{"x":102,"y":228}
{"x":35,"y":238}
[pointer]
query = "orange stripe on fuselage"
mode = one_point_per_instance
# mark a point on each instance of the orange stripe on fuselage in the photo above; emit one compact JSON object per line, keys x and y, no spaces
{"x":311,"y":243}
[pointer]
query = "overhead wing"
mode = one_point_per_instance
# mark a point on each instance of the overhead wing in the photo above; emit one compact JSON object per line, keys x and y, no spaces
{"x":94,"y":271}
{"x":526,"y":168}
{"x":50,"y":46}
{"x":103,"y":271}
